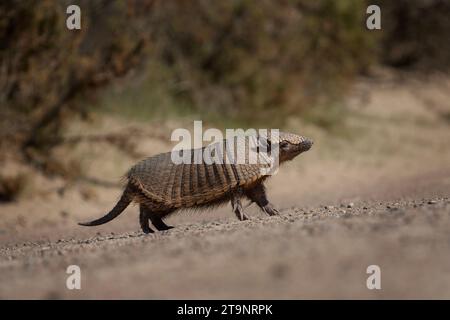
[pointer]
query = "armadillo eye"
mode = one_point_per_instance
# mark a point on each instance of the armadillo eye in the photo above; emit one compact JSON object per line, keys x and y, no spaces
{"x":284,"y":144}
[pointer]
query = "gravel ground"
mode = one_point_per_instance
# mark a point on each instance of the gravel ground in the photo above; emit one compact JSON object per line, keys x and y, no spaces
{"x":303,"y":253}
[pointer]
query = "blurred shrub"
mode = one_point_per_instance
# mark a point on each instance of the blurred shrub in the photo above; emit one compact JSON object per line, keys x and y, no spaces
{"x":45,"y":69}
{"x":416,"y":34}
{"x":256,"y":61}
{"x":260,"y":60}
{"x":12,"y":187}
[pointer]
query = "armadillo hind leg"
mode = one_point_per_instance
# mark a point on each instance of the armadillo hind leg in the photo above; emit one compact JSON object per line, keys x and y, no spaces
{"x":237,"y":205}
{"x":258,"y":195}
{"x":143,"y":220}
{"x":155,"y":218}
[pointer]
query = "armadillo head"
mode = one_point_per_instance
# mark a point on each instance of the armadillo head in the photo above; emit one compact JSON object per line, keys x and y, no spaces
{"x":290,"y":145}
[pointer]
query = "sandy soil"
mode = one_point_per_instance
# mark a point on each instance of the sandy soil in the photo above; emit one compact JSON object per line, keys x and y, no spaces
{"x":303,"y":253}
{"x":376,"y":195}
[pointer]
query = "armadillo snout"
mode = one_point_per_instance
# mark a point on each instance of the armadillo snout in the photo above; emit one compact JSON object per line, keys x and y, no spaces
{"x":306,"y":144}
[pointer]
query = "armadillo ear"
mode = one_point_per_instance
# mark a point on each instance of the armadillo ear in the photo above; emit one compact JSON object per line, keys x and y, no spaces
{"x":264,"y":144}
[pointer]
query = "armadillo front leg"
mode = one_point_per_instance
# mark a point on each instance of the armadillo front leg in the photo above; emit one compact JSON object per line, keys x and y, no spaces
{"x":258,"y":195}
{"x":237,"y":205}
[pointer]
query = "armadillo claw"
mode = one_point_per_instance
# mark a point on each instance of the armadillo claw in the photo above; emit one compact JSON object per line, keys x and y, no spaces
{"x":270,"y":210}
{"x":240,"y":214}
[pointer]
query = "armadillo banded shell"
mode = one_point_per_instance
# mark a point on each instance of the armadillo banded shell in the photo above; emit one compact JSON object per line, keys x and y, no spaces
{"x":185,"y":185}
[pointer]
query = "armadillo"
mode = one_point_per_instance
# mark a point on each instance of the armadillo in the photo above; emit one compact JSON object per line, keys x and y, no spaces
{"x":162,"y":186}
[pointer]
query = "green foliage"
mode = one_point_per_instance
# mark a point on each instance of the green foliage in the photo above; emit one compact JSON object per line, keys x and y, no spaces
{"x":416,"y":34}
{"x":46,"y":69}
{"x":264,"y":60}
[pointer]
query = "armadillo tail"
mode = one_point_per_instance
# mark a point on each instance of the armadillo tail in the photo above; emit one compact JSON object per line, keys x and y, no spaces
{"x":123,"y":202}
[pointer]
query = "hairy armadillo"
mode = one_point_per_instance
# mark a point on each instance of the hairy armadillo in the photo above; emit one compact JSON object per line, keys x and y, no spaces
{"x":161,"y":186}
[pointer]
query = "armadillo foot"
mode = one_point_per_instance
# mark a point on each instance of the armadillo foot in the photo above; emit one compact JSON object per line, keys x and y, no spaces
{"x":143,"y":221}
{"x":162,"y":227}
{"x":270,"y":210}
{"x":147,"y":229}
{"x":237,"y":206}
{"x":242,"y":216}
{"x":239,"y":212}
{"x":159,"y":223}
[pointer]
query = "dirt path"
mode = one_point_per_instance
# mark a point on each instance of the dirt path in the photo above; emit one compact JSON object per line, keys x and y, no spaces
{"x":304,"y":253}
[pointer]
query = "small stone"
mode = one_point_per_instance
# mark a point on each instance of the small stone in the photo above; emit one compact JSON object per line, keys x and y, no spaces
{"x":432,"y":202}
{"x":365,"y":208}
{"x":329,"y":207}
{"x":350,"y":205}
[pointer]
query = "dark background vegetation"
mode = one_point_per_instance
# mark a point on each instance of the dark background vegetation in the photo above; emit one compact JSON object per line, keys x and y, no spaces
{"x":250,"y":62}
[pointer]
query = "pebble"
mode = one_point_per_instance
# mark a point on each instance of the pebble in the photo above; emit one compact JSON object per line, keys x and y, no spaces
{"x":64,"y":214}
{"x":432,"y":202}
{"x":350,"y":205}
